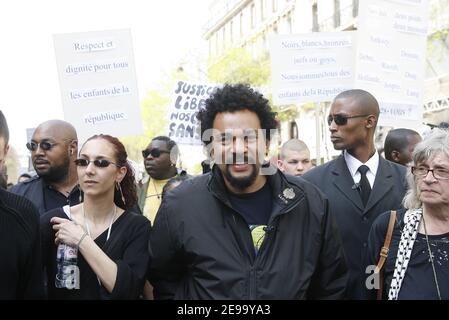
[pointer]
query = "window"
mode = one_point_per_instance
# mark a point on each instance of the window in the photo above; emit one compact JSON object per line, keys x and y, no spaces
{"x":315,"y":26}
{"x":224,"y":38}
{"x":217,"y":43}
{"x":231,"y":30}
{"x":274,"y":5}
{"x":253,"y":15}
{"x":211,"y":46}
{"x":261,"y":10}
{"x":293,"y":130}
{"x":336,"y":13}
{"x":241,"y":25}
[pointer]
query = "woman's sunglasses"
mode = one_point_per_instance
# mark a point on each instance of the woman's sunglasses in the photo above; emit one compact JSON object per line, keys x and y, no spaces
{"x":155,"y":152}
{"x":341,"y":120}
{"x":100,"y":163}
{"x":44,"y":145}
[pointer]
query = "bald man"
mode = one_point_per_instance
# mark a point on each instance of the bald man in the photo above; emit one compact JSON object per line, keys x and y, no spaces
{"x":294,"y":158}
{"x":399,"y":145}
{"x":53,"y":148}
{"x":359,"y":184}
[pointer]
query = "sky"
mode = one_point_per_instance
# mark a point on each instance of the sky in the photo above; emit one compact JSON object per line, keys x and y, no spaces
{"x":162,"y":32}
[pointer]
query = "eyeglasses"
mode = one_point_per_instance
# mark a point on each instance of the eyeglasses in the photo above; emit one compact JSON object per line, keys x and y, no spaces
{"x":341,"y":120}
{"x":155,"y":152}
{"x":439,"y":174}
{"x":100,"y":163}
{"x":44,"y":145}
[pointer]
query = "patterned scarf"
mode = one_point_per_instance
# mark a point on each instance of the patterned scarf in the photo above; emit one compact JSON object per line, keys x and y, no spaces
{"x":412,"y":219}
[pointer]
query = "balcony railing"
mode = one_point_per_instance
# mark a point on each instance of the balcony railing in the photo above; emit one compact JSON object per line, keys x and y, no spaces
{"x":218,"y":10}
{"x":342,"y":17}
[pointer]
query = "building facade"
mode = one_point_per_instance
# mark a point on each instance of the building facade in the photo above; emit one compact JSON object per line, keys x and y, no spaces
{"x":249,"y":23}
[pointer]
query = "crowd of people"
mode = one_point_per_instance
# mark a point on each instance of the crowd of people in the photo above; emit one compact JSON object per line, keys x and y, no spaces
{"x":361,"y":226}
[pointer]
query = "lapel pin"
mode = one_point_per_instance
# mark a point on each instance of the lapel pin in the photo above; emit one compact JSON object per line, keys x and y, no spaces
{"x":289,"y":193}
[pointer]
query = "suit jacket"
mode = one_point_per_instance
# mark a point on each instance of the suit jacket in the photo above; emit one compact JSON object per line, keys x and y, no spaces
{"x":33,"y":189}
{"x":353,"y":220}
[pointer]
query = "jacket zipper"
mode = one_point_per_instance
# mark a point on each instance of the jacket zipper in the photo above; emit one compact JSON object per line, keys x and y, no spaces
{"x":268,"y":237}
{"x":252,"y":273}
{"x":273,"y":226}
{"x":252,"y":283}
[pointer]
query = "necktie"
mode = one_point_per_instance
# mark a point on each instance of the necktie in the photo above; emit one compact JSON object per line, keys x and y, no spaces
{"x":365,"y":187}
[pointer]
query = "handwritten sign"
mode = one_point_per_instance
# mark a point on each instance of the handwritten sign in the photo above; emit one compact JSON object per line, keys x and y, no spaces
{"x":188,"y":99}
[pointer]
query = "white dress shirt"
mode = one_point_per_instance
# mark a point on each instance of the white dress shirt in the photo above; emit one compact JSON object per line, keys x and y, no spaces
{"x":354,"y":164}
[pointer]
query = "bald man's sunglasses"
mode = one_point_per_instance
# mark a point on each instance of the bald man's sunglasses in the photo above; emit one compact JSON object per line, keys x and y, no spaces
{"x":341,"y":120}
{"x":155,"y":152}
{"x":44,"y":145}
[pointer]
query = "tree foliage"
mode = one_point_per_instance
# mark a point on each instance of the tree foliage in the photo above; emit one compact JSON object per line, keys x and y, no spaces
{"x":154,"y":115}
{"x":239,"y":66}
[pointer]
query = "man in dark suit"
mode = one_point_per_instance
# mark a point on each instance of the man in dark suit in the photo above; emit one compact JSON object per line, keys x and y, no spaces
{"x":359,"y":184}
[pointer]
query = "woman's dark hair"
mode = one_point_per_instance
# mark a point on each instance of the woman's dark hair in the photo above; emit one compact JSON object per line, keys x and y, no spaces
{"x":128,"y":183}
{"x":173,"y":182}
{"x":236,"y":97}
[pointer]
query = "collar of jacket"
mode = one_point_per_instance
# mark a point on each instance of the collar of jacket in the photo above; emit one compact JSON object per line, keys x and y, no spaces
{"x":33,"y":178}
{"x":146,"y":177}
{"x":286,"y":195}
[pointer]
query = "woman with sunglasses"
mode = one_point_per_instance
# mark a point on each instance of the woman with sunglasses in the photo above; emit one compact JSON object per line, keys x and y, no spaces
{"x":111,"y":239}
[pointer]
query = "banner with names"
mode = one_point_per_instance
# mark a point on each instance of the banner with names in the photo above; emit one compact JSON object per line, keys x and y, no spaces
{"x":391,"y":58}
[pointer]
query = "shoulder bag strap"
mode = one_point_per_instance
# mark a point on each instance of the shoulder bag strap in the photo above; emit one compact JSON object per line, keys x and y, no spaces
{"x":384,"y":253}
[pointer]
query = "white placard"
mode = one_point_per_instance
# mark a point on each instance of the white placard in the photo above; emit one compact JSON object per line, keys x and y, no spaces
{"x":311,"y":67}
{"x":188,"y":99}
{"x":391,"y":57}
{"x":98,"y":82}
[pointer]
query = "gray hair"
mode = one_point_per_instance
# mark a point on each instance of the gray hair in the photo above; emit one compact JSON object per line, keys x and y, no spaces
{"x":434,"y":143}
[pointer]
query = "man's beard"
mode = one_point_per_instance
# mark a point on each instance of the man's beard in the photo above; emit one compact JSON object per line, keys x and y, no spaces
{"x":56,"y":174}
{"x":241,"y":183}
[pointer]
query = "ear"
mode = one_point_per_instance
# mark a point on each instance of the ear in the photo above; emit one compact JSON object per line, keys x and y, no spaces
{"x":281,"y":165}
{"x":371,"y":121}
{"x":73,"y":147}
{"x":6,"y":149}
{"x":395,"y":155}
{"x":121,"y":174}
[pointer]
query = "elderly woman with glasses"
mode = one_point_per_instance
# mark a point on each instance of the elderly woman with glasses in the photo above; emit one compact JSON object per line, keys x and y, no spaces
{"x":108,"y":243}
{"x":417,"y":260}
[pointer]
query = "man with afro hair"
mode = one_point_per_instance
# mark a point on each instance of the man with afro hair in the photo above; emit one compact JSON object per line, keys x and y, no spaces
{"x":244,"y":230}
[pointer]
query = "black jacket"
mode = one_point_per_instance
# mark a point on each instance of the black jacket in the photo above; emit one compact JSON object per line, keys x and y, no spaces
{"x":354,"y":221}
{"x":202,"y":247}
{"x":20,"y":251}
